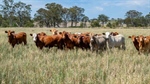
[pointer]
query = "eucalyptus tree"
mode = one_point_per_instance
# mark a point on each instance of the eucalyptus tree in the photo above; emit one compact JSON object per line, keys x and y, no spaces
{"x":54,"y":13}
{"x":65,"y":16}
{"x":22,"y":12}
{"x":103,"y":18}
{"x":132,"y":15}
{"x":147,"y":17}
{"x":84,"y":20}
{"x":16,"y":13}
{"x":41,"y":17}
{"x":8,"y":10}
{"x":76,"y":14}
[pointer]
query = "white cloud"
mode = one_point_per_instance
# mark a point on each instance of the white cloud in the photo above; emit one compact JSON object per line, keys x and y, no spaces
{"x":99,"y":8}
{"x":131,"y":3}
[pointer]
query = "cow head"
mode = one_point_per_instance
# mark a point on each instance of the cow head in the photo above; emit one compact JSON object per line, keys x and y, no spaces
{"x":140,"y":40}
{"x":54,"y":31}
{"x":135,"y":41}
{"x":107,"y":34}
{"x":10,"y":34}
{"x":34,"y":36}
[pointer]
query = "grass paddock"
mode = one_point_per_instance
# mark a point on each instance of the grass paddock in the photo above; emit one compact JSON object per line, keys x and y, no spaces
{"x":29,"y":65}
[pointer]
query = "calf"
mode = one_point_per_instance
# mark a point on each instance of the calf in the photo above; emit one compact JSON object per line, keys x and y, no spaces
{"x":18,"y":38}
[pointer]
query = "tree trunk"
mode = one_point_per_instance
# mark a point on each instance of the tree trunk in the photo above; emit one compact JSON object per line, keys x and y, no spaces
{"x":71,"y":23}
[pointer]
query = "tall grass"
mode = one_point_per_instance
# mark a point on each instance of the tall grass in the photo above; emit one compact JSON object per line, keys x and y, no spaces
{"x":28,"y":64}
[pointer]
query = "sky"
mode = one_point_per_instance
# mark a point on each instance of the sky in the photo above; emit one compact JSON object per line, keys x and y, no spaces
{"x":93,"y":8}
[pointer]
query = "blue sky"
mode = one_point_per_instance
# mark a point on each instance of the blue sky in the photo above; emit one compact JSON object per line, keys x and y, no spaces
{"x":93,"y":8}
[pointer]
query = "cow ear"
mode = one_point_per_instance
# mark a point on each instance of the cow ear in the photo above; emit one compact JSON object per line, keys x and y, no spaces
{"x":129,"y":36}
{"x":31,"y":34}
{"x":103,"y":33}
{"x":6,"y":32}
{"x":13,"y":32}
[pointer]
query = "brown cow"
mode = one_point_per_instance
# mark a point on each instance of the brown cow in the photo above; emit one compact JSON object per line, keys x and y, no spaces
{"x":144,"y":43}
{"x":42,"y":40}
{"x":135,"y":42}
{"x":38,"y":43}
{"x":70,"y":40}
{"x":18,"y":38}
{"x":84,"y":42}
{"x":114,"y":33}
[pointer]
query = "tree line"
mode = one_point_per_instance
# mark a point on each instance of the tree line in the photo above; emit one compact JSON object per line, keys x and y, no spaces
{"x":18,"y":14}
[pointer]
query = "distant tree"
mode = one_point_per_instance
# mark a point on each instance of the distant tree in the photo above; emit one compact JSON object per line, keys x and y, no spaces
{"x":120,"y":22}
{"x":132,"y":14}
{"x":54,"y":13}
{"x":8,"y":10}
{"x":1,"y":19}
{"x":76,"y":14}
{"x":41,"y":17}
{"x":147,"y":17}
{"x":22,"y":12}
{"x":84,"y":20}
{"x":95,"y":23}
{"x":65,"y":16}
{"x":15,"y":14}
{"x":103,"y":18}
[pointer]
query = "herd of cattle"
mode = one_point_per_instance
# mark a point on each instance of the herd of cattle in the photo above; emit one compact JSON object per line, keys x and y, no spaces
{"x":85,"y":41}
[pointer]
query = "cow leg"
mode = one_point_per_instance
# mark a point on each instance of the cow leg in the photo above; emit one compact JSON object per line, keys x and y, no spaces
{"x":25,"y":42}
{"x":13,"y":45}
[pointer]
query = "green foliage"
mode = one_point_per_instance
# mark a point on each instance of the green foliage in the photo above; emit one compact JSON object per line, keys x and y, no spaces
{"x":95,"y":23}
{"x":135,"y":19}
{"x":76,"y":14}
{"x":109,"y":25}
{"x":16,"y":14}
{"x":4,"y":23}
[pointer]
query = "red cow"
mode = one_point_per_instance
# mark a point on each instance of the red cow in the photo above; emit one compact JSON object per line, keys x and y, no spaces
{"x":70,"y":40}
{"x":42,"y":40}
{"x":114,"y":33}
{"x":144,"y":43}
{"x":18,"y":38}
{"x":85,"y":42}
{"x":135,"y":42}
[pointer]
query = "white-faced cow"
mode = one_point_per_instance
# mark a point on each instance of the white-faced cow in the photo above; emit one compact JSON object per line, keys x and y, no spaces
{"x":115,"y":41}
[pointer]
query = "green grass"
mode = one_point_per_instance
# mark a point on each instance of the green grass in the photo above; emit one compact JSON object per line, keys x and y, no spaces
{"x":29,"y":65}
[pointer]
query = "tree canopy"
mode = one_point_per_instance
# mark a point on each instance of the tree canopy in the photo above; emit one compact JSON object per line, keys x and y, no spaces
{"x":18,"y":14}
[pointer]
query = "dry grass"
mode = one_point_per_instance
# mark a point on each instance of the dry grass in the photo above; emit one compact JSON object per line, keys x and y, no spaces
{"x":27,"y":64}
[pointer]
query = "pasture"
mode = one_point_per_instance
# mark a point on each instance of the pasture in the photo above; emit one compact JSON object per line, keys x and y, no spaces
{"x":29,"y":65}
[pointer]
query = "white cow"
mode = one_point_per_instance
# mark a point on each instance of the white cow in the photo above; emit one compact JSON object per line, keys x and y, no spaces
{"x":115,"y":41}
